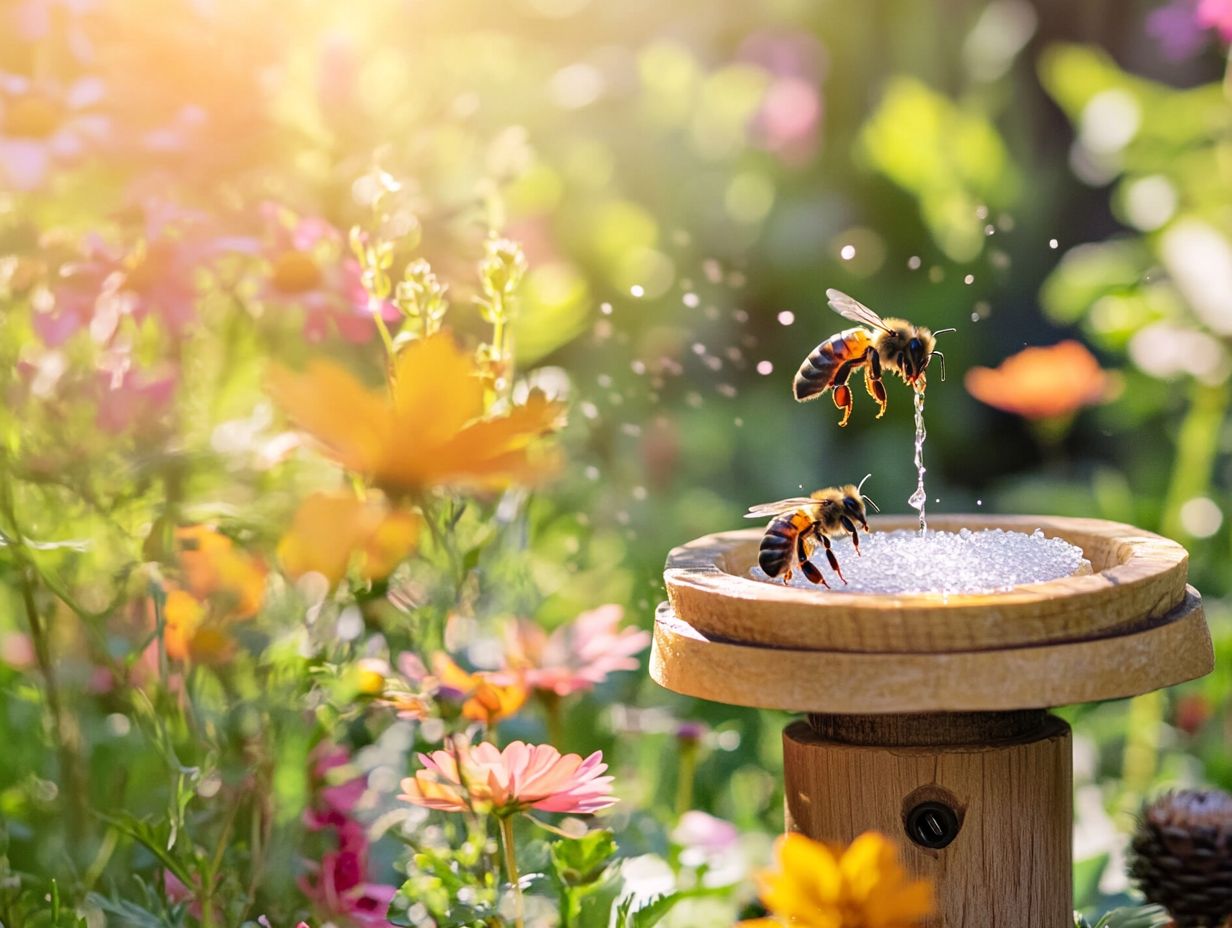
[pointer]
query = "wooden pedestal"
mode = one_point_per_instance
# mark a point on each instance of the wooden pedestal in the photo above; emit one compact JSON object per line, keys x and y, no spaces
{"x":927,"y":716}
{"x":994,"y":788}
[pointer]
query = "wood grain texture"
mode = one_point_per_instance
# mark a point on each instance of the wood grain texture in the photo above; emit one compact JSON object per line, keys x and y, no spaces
{"x":1155,"y":653}
{"x":1010,"y":864}
{"x":1137,"y":575}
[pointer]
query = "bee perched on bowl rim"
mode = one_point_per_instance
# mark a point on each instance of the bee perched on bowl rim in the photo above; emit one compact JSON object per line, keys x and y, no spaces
{"x":799,"y":524}
{"x":876,"y":345}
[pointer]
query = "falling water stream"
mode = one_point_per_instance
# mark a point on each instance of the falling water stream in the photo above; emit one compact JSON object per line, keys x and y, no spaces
{"x":919,"y":497}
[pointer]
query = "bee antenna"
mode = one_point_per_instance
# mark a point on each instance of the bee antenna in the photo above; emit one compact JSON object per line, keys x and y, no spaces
{"x":870,"y":502}
{"x":860,"y":486}
{"x":942,"y":357}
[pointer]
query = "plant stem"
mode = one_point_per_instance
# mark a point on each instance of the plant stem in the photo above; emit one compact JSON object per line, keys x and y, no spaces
{"x":1197,"y":446}
{"x":686,"y":771}
{"x":511,"y":867}
{"x":555,"y":718}
{"x":66,"y":734}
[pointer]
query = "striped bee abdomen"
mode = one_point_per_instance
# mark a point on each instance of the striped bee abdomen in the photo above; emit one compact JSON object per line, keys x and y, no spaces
{"x":779,"y":541}
{"x":818,"y":372}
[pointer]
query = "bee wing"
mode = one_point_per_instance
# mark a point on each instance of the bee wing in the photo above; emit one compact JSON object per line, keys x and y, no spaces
{"x":851,"y":308}
{"x":779,"y":507}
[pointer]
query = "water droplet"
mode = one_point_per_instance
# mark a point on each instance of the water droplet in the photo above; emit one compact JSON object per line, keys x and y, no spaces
{"x":914,"y":262}
{"x":969,"y":279}
{"x":787,"y":317}
{"x":765,"y":368}
{"x":1053,"y":244}
{"x":981,"y":212}
{"x":605,"y":308}
{"x":691,"y":300}
{"x":990,"y":229}
{"x":637,"y":290}
{"x":699,"y":349}
{"x":975,"y":317}
{"x":979,"y":502}
{"x":847,"y":252}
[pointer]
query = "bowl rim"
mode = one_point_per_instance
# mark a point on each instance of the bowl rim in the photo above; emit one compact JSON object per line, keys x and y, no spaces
{"x":1137,"y":575}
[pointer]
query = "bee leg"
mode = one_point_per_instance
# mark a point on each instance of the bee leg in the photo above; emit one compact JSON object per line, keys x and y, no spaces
{"x":855,"y":536}
{"x":808,"y":567}
{"x":832,"y":559}
{"x":872,"y":379}
{"x":843,"y":400}
{"x":842,"y":393}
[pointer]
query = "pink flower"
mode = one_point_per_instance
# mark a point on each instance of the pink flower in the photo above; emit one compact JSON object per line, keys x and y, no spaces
{"x":1216,"y":14}
{"x":133,"y":399}
{"x":788,"y":121}
{"x":575,"y":657}
{"x":703,"y":832}
{"x":519,"y":778}
{"x":334,"y":797}
{"x":43,"y":123}
{"x":306,"y":266}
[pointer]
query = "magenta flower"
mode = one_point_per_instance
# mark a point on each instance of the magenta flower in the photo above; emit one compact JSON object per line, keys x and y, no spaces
{"x":517,"y":779}
{"x":1216,"y":14}
{"x":575,"y":657}
{"x":338,"y":883}
{"x":307,"y":266}
{"x":43,"y":124}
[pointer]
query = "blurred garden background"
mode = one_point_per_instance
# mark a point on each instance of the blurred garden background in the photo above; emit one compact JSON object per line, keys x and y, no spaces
{"x":350,"y":351}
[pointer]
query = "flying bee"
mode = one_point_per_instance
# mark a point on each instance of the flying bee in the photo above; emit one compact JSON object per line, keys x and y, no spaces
{"x":799,"y":524}
{"x":876,"y":345}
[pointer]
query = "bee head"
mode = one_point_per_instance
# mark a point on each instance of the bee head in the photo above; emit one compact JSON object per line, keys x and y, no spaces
{"x":916,"y":357}
{"x":853,"y":506}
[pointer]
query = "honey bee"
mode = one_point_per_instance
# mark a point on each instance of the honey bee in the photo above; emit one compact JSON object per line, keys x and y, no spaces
{"x":799,"y":524}
{"x":886,"y":344}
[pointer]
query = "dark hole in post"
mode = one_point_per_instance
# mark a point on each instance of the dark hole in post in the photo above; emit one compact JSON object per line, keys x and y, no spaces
{"x":932,"y":825}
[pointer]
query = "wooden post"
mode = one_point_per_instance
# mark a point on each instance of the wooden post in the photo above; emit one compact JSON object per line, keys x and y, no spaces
{"x":980,"y":803}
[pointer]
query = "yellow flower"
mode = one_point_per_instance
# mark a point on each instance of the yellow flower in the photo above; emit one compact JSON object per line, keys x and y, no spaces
{"x":862,"y":886}
{"x":331,"y":531}
{"x":430,"y":429}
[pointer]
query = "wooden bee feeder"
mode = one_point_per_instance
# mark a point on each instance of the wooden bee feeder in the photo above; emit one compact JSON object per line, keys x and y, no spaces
{"x":927,"y":714}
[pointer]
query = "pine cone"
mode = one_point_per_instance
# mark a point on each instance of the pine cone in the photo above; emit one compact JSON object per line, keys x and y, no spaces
{"x":1181,"y":856}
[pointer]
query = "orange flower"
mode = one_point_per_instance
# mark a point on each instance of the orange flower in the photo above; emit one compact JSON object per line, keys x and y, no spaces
{"x":520,"y":777}
{"x":332,"y":531}
{"x":212,"y":567}
{"x":1041,"y":383}
{"x":430,"y":429}
{"x":218,"y":585}
{"x":862,"y":886}
{"x":486,"y":700}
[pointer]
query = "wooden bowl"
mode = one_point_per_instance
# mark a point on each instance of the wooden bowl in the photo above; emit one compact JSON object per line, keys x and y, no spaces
{"x":1137,"y":577}
{"x":1156,"y":652}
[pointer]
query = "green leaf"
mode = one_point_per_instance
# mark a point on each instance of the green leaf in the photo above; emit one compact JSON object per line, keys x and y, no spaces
{"x":1147,"y":916}
{"x":655,"y":910}
{"x":1086,"y":879}
{"x":581,"y":861}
